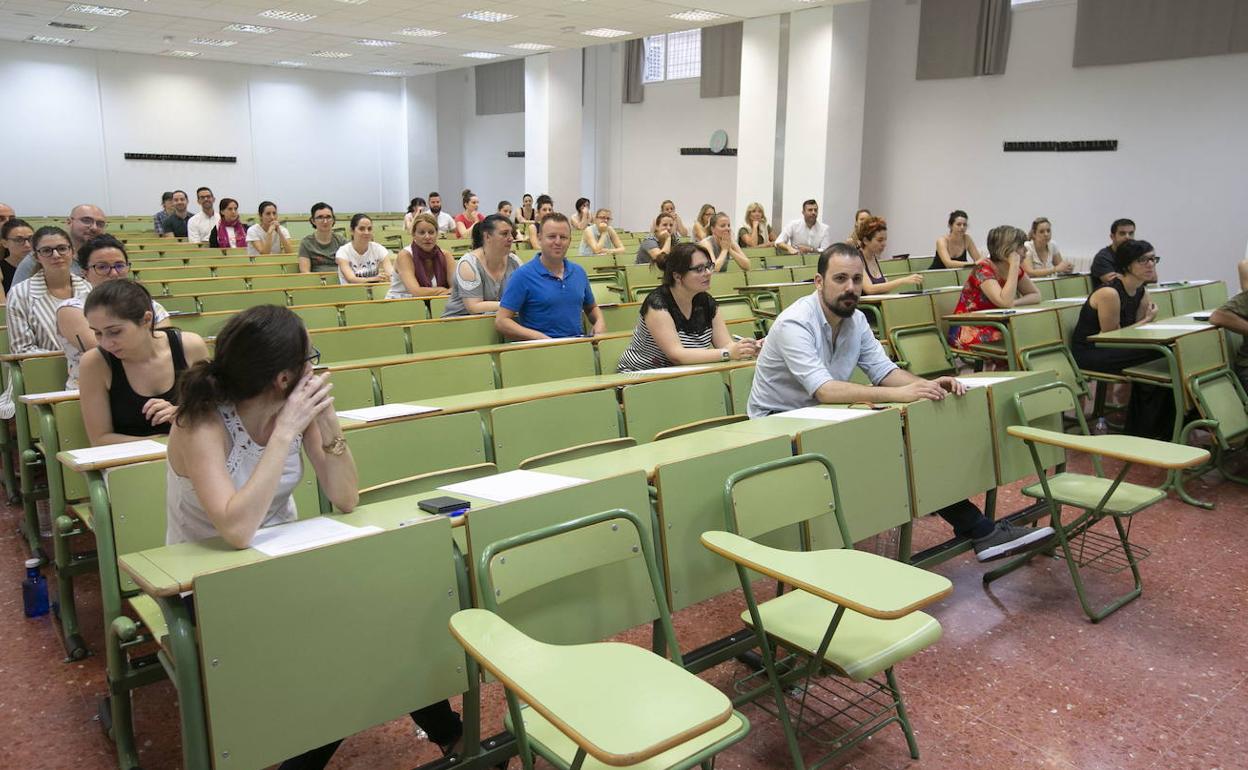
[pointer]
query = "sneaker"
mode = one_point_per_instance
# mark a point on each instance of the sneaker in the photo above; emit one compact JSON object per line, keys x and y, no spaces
{"x":1008,"y":539}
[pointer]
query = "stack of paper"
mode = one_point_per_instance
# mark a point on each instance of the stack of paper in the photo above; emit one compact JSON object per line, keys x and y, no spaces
{"x":302,"y":535}
{"x":513,"y":485}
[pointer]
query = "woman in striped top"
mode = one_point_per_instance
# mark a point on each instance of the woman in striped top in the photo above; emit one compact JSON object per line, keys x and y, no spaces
{"x":679,"y":321}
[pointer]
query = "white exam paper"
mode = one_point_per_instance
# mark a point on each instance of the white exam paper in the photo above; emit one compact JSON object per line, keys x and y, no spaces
{"x":1174,"y":327}
{"x":124,"y":451}
{"x":302,"y":535}
{"x":386,"y":412}
{"x":674,"y":369}
{"x":983,"y":382}
{"x":512,"y":485}
{"x":1008,"y":311}
{"x":50,"y":394}
{"x":1072,"y":300}
{"x":827,"y":415}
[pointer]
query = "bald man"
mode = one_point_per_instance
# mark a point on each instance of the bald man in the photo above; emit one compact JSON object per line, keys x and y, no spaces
{"x":85,"y":222}
{"x":6,"y":213}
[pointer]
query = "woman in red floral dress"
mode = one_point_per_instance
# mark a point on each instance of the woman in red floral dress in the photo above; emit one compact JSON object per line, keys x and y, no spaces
{"x":996,"y":282}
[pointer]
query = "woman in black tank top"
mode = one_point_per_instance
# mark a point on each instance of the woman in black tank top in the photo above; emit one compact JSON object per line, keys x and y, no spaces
{"x":128,"y":383}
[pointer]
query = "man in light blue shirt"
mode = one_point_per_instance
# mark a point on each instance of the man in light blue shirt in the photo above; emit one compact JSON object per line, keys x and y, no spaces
{"x":812,"y":349}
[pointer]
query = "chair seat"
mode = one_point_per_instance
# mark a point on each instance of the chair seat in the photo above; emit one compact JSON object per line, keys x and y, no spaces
{"x":1083,"y":491}
{"x":149,"y":612}
{"x":83,"y":512}
{"x":861,"y":647}
{"x":651,"y":706}
{"x":1154,"y":371}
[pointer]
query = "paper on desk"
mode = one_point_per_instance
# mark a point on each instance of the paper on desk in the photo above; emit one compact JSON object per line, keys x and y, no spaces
{"x":827,"y":415}
{"x":1007,"y":311}
{"x":1173,"y":327}
{"x":512,"y":485}
{"x":1201,"y":314}
{"x":674,"y":369}
{"x":386,"y":412}
{"x":302,"y":535}
{"x":51,"y":394}
{"x":1069,"y":299}
{"x":983,"y":382}
{"x":124,"y":451}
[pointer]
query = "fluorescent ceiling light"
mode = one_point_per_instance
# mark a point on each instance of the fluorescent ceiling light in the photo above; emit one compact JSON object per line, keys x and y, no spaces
{"x":331,"y":54}
{"x":605,"y":32}
{"x":353,"y":2}
{"x":697,"y":15}
{"x":251,"y":29}
{"x":387,"y":73}
{"x":481,"y":55}
{"x":212,"y":41}
{"x":491,"y":16}
{"x":428,"y":64}
{"x":98,"y":10}
{"x":280,"y":15}
{"x":531,"y":46}
{"x":180,"y":54}
{"x":68,"y":25}
{"x":376,"y":43}
{"x":420,"y":32}
{"x":285,"y":63}
{"x":49,"y":40}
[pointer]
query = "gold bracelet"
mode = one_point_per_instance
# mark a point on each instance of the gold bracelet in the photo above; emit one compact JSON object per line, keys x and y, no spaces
{"x":337,"y":447}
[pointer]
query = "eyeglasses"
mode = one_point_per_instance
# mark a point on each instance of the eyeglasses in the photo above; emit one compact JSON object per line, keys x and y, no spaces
{"x":93,"y":222}
{"x":324,"y":217}
{"x":1149,"y":260}
{"x":704,"y":268}
{"x":120,"y":268}
{"x":315,"y":358}
{"x":20,"y":239}
{"x":46,"y":251}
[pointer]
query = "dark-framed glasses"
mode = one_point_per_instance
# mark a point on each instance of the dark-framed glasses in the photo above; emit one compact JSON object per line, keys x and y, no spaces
{"x":704,"y":268}
{"x":1149,"y":260}
{"x":93,"y":222}
{"x":315,"y":358}
{"x":63,"y":250}
{"x":120,"y":268}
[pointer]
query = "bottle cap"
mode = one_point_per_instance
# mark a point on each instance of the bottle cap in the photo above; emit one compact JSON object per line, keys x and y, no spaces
{"x":32,"y":563}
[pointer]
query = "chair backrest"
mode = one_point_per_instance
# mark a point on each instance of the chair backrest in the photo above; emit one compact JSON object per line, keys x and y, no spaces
{"x":652,"y":407}
{"x":327,"y":294}
{"x":203,"y":324}
{"x":1220,"y":397}
{"x":915,"y":310}
{"x":1213,"y":295}
{"x":609,"y":351}
{"x":1186,"y":300}
{"x":418,"y":380}
{"x":424,"y":482}
{"x":725,"y":284}
{"x":288,"y":281}
{"x":359,"y":343}
{"x":621,"y":317}
{"x":353,"y":388}
{"x":1164,"y":302}
{"x":577,"y":452}
{"x":922,"y":349}
{"x":528,"y":364}
{"x":180,"y":304}
{"x":136,"y":496}
{"x":451,"y":333}
{"x":1057,"y":359}
{"x":181,"y":288}
{"x":318,"y":316}
{"x":791,"y":293}
{"x":385,"y":311}
{"x":536,"y":427}
{"x":407,"y":448}
{"x":1046,"y":400}
{"x":238,"y":300}
{"x":783,"y":493}
{"x":934,"y":279}
{"x":739,"y":382}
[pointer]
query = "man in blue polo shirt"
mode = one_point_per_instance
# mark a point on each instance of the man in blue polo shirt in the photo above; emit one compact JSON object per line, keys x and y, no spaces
{"x":545,"y":297}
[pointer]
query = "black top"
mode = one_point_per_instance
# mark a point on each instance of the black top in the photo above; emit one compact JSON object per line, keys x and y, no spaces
{"x":696,"y":331}
{"x":1089,"y":322}
{"x":8,"y":271}
{"x":1102,"y":263}
{"x":175,"y":224}
{"x":127,"y":406}
{"x":964,"y":257}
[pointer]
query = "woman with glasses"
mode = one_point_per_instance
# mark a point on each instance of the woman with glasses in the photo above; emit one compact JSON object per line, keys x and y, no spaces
{"x":679,"y":321}
{"x":128,"y":382}
{"x":600,"y":237}
{"x":102,"y":258}
{"x":318,"y":249}
{"x":15,"y":236}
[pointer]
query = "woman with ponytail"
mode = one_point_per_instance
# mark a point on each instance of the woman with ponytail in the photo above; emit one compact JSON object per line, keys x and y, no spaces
{"x":130,"y":359}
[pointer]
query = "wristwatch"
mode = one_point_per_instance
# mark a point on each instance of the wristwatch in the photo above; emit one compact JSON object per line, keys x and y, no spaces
{"x":336,"y":447}
{"x":725,"y":355}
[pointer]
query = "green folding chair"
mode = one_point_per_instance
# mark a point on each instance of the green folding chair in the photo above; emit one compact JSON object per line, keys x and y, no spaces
{"x":922,"y":351}
{"x":850,"y":617}
{"x":1223,"y":408}
{"x":416,"y":380}
{"x":657,"y":714}
{"x":1097,"y":496}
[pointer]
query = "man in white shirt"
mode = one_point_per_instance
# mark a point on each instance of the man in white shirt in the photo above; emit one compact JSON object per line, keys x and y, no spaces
{"x":205,"y":221}
{"x":446,"y":222}
{"x":85,"y":221}
{"x":806,"y":235}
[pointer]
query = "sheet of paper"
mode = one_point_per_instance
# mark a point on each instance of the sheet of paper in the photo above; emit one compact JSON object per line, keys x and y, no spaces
{"x":825,"y":414}
{"x":1201,"y":314}
{"x":386,"y":412}
{"x":512,"y":485}
{"x":674,"y":369}
{"x":50,"y":394}
{"x":1071,"y":300}
{"x":1173,"y":327}
{"x":983,"y":382}
{"x":125,"y":451}
{"x":1008,"y":311}
{"x":302,"y":535}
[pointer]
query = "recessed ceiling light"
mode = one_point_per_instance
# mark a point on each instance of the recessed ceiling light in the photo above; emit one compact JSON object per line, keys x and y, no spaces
{"x":605,"y":32}
{"x":353,"y":2}
{"x":251,"y":29}
{"x":376,"y":43}
{"x":280,"y":15}
{"x":331,"y":54}
{"x":387,"y":73}
{"x":180,"y":54}
{"x":491,"y":16}
{"x":212,"y":41}
{"x":49,"y":40}
{"x":77,"y":27}
{"x":531,"y":46}
{"x":428,"y":64}
{"x":697,"y":15}
{"x":420,"y":32}
{"x":481,"y":55}
{"x":285,"y":63}
{"x":98,"y":10}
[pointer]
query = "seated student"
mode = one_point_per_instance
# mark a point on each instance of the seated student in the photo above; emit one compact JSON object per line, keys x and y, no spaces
{"x":482,"y":274}
{"x":1122,"y":303}
{"x":584,"y":216}
{"x":234,"y":453}
{"x":872,"y":237}
{"x":997,"y":282}
{"x":229,"y":231}
{"x":446,"y":222}
{"x":546,"y":296}
{"x":128,"y":384}
{"x":361,"y":259}
{"x":679,"y":321}
{"x":1243,"y":275}
{"x":956,"y":248}
{"x":600,"y":237}
{"x":472,"y":214}
{"x":318,"y":249}
{"x":756,"y":231}
{"x":15,"y":236}
{"x":102,"y":259}
{"x":504,"y":208}
{"x":669,"y":208}
{"x":702,"y":224}
{"x":1043,"y":257}
{"x":806,"y":235}
{"x":545,"y":206}
{"x":416,"y":206}
{"x":423,"y":269}
{"x":1102,"y":270}
{"x":813,"y":347}
{"x":655,"y":247}
{"x":723,"y":246}
{"x":268,"y":236}
{"x":527,"y":212}
{"x":1233,"y":316}
{"x":860,"y":216}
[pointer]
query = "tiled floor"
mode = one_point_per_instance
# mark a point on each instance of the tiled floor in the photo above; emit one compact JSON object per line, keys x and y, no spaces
{"x":1020,"y":679}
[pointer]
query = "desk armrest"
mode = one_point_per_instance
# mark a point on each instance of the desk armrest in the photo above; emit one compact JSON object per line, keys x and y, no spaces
{"x":1131,"y":449}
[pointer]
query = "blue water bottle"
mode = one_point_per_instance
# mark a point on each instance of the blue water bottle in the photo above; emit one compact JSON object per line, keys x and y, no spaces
{"x":34,"y":590}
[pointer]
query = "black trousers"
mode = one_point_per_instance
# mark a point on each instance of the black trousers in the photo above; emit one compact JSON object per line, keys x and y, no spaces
{"x":966,"y":519}
{"x":439,"y":721}
{"x":1150,"y":410}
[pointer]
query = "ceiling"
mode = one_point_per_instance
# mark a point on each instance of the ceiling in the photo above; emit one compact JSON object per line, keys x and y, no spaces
{"x":165,"y":26}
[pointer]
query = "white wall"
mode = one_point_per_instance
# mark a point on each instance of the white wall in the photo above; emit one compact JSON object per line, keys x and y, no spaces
{"x":1180,"y":170}
{"x":756,"y":126}
{"x":298,"y":136}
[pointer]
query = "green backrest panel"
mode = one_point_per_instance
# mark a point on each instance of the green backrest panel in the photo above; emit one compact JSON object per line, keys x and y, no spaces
{"x":924,"y":350}
{"x":1201,"y":352}
{"x":894,"y":267}
{"x":935,"y":426}
{"x":651,"y":407}
{"x":621,"y":317}
{"x":353,"y":388}
{"x":468,"y":332}
{"x":304,"y":614}
{"x":793,"y":292}
{"x":409,"y":447}
{"x":601,"y":288}
{"x":529,"y":364}
{"x":1164,"y":303}
{"x":934,"y":279}
{"x":427,"y":483}
{"x":1013,"y":458}
{"x":386,"y":311}
{"x":1056,"y":359}
{"x":1213,"y":295}
{"x":543,"y":425}
{"x":186,"y":288}
{"x":1219,"y":400}
{"x":1067,"y":317}
{"x":204,"y":325}
{"x":783,"y":260}
{"x":136,"y":495}
{"x":609,"y":352}
{"x":41,"y":375}
{"x":289,"y":281}
{"x":180,"y":304}
{"x":593,"y":262}
{"x":915,"y":310}
{"x":1045,"y":403}
{"x":739,"y":382}
{"x":1186,"y":300}
{"x":4,"y":340}
{"x":1034,"y":329}
{"x":154,"y":275}
{"x":519,"y":570}
{"x":1047,"y":289}
{"x":437,"y":306}
{"x":641,"y":275}
{"x":330,"y":294}
{"x":318,"y":316}
{"x":240,"y":300}
{"x":586,"y":607}
{"x":781,"y":497}
{"x":1072,"y":286}
{"x":71,"y":434}
{"x":754,"y":252}
{"x":725,"y":284}
{"x":735,"y":309}
{"x":353,"y":344}
{"x":249,"y":269}
{"x":943,"y":304}
{"x":440,"y":377}
{"x":691,"y":501}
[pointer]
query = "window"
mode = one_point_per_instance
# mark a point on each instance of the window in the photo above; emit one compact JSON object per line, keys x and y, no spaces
{"x":674,"y":56}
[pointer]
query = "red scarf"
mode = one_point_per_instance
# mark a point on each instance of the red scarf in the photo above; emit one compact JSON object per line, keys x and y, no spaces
{"x":439,"y":266}
{"x":238,"y":240}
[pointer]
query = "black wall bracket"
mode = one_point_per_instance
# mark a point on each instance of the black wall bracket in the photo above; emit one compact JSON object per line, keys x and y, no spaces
{"x":1078,"y":145}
